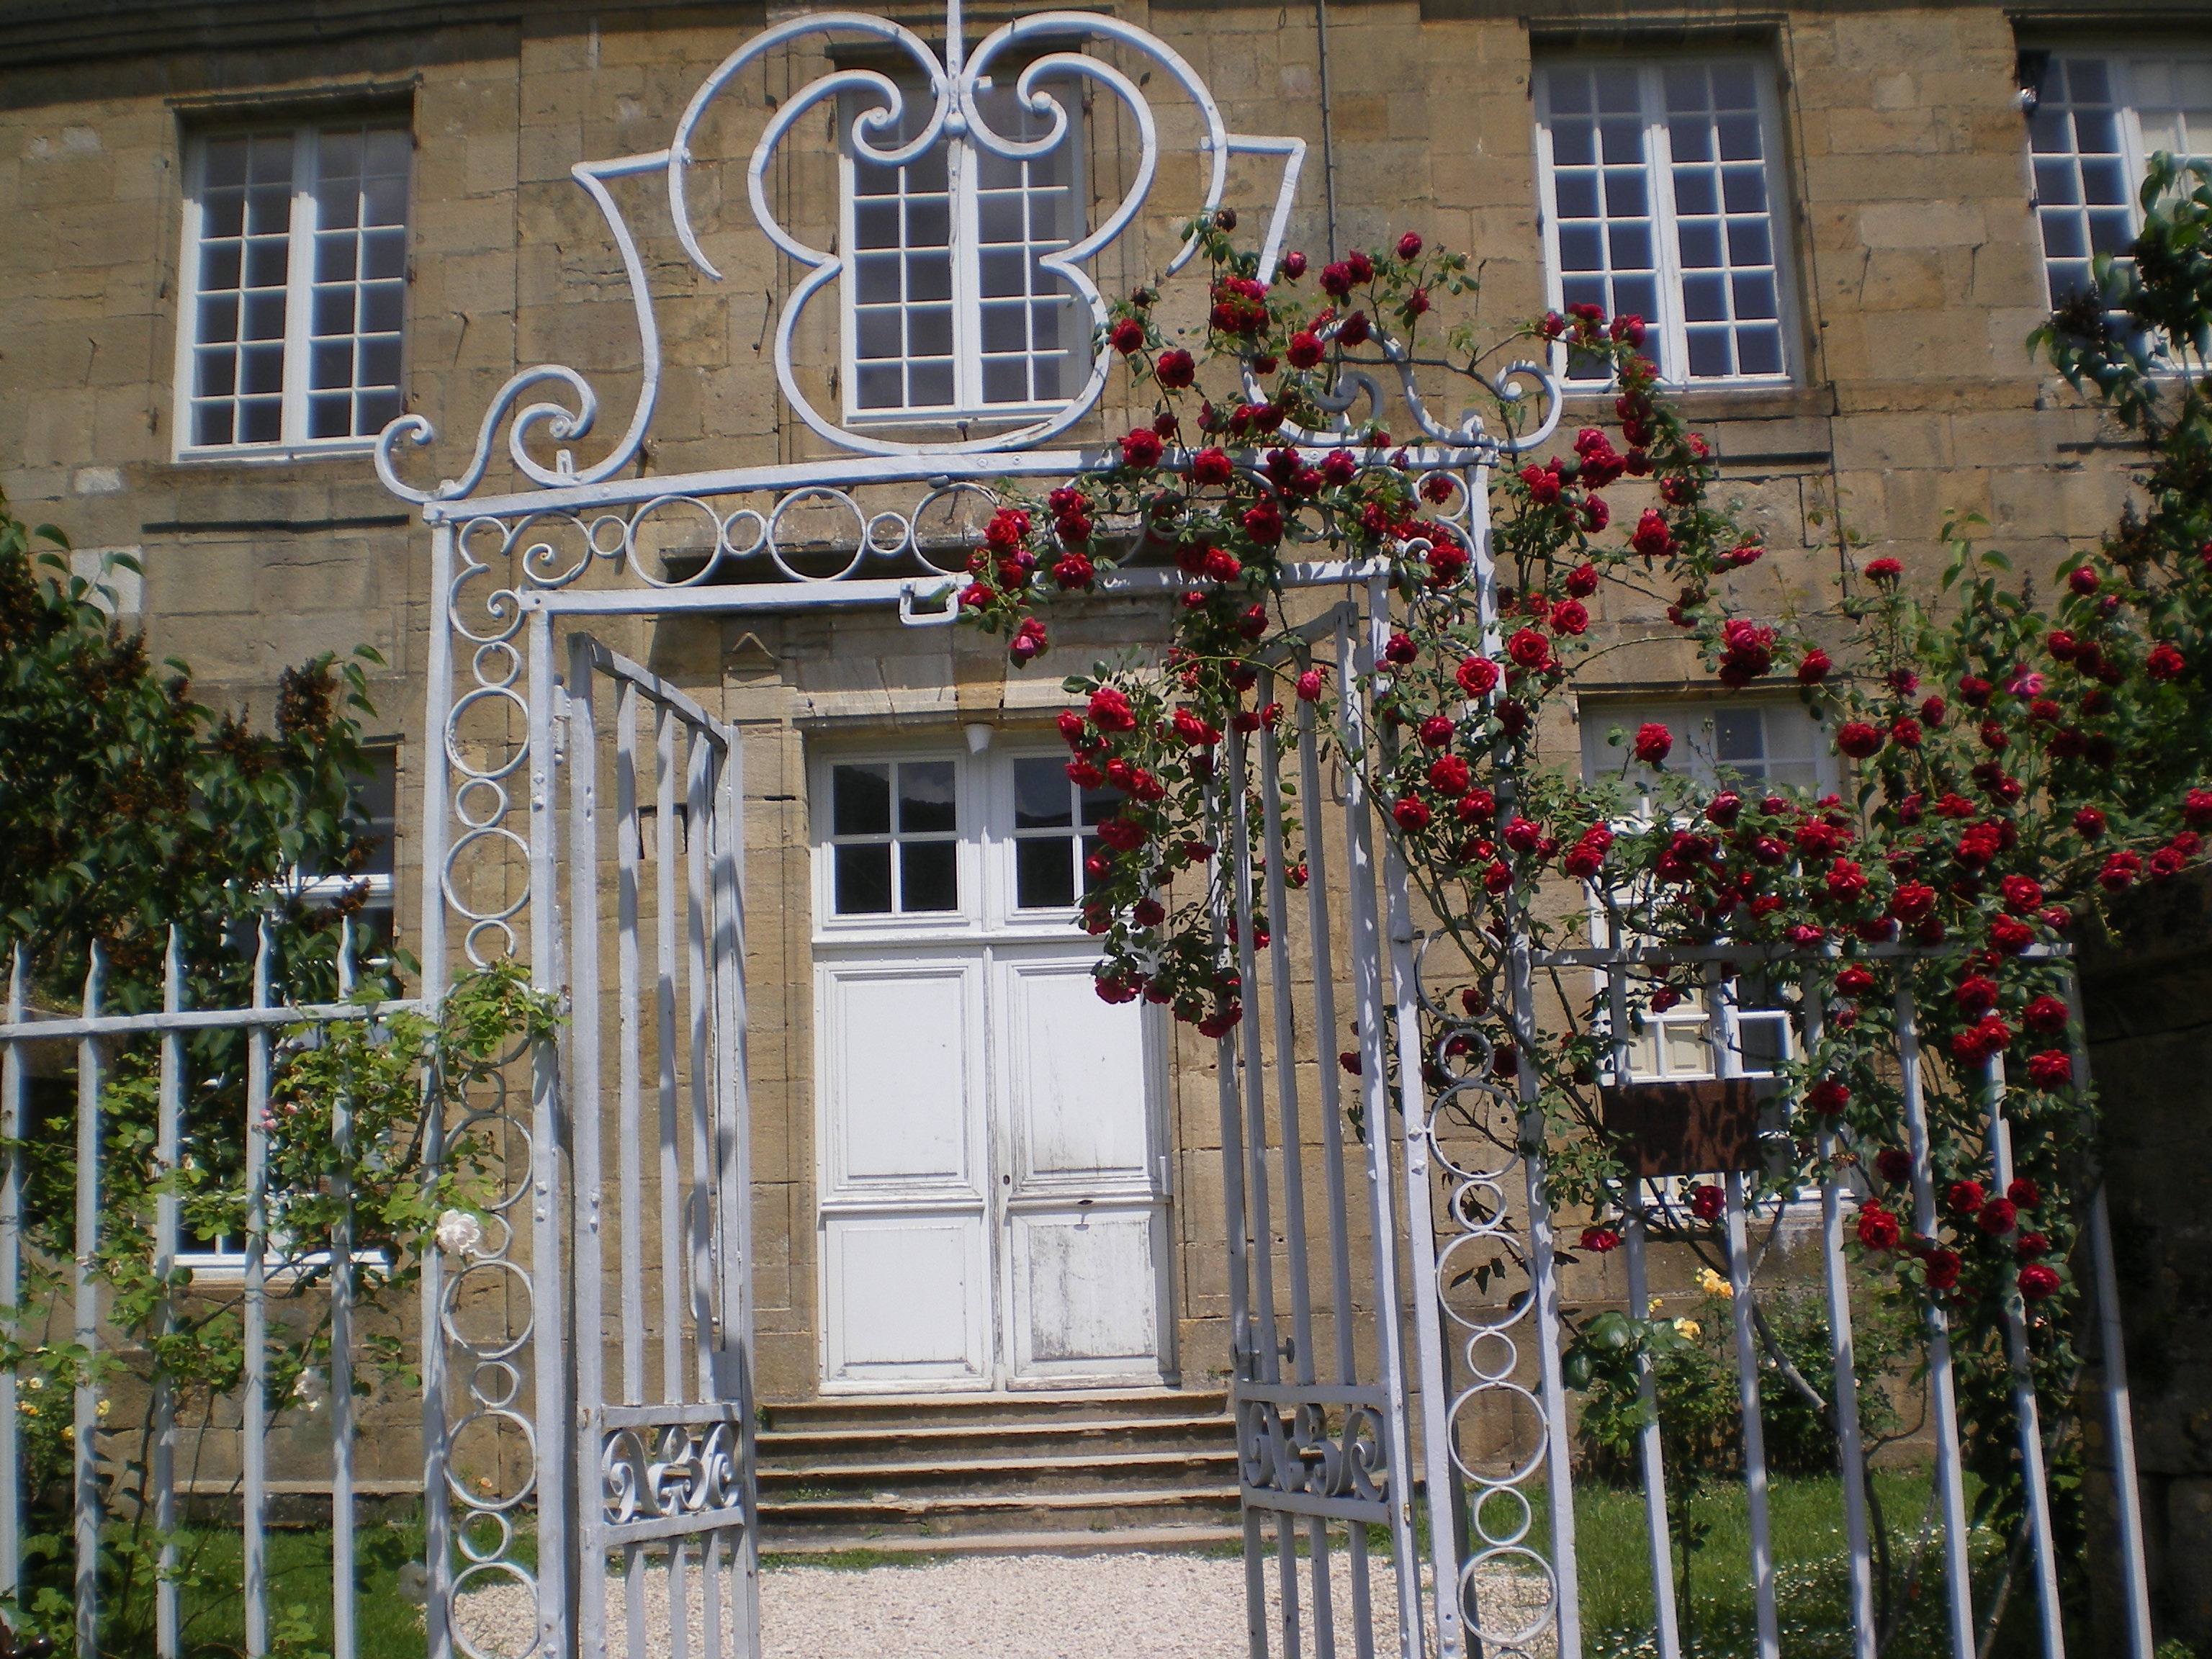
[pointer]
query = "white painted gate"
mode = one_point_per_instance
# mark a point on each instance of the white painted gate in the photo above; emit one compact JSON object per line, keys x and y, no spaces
{"x":991,"y":1178}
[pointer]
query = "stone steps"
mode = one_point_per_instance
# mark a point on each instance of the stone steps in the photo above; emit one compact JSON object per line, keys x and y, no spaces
{"x":1063,"y":1473}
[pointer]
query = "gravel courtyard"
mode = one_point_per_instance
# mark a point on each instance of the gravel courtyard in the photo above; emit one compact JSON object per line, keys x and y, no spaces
{"x":1022,"y":1607}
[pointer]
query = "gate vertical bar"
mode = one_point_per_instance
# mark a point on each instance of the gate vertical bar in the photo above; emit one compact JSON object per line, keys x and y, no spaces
{"x":672,"y":1190}
{"x":2119,"y":1416}
{"x":437,"y":764}
{"x":1959,"y":1587}
{"x":630,"y":1140}
{"x":1286,"y":1099}
{"x":162,"y":1464}
{"x":729,"y":825}
{"x":85,"y":1468}
{"x":1850,"y":1449}
{"x":15,"y":1084}
{"x":1255,"y":1156}
{"x":698,"y":1004}
{"x":1728,"y":1045}
{"x":585,"y":1108}
{"x":1649,"y":1447}
{"x":342,"y":1593}
{"x":2025,"y":1408}
{"x":254,"y":1412}
{"x":1243,"y":1356}
{"x":556,"y":1564}
{"x":1331,"y":1123}
{"x":1355,"y":661}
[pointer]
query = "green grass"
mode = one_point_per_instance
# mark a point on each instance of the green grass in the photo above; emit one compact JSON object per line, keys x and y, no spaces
{"x":1715,"y":1606}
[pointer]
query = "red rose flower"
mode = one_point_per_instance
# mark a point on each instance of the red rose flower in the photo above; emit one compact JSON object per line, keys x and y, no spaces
{"x":1478,"y":676}
{"x":1449,"y":774}
{"x":1997,"y":1217}
{"x":2083,"y":581}
{"x":1412,"y":815}
{"x":1651,"y":537}
{"x":1858,"y":739}
{"x":2120,"y":870}
{"x":2021,"y":894}
{"x":1600,"y":1241}
{"x":2088,"y":824}
{"x":1884,"y":571}
{"x":2045,"y":1014}
{"x":1148,"y":913}
{"x":2025,"y":1193}
{"x":2165,"y":663}
{"x":2052,"y":1069}
{"x":1813,"y":667}
{"x":2037,"y":1282}
{"x":1581,"y":582}
{"x":1878,"y":1229}
{"x":1976,"y":996}
{"x":1141,"y":448}
{"x":1308,"y":685}
{"x":2028,"y":1246}
{"x":1653,"y":742}
{"x":1212,"y":467}
{"x":1941,"y":1267}
{"x":1530,"y":649}
{"x":1895,"y":1165}
{"x":1174,"y":370}
{"x":1569,"y":616}
{"x":1964,"y":1198}
{"x":1111,"y":711}
{"x":1706,"y":1201}
{"x":1400,"y":649}
{"x":1854,"y":980}
{"x":1828,"y":1096}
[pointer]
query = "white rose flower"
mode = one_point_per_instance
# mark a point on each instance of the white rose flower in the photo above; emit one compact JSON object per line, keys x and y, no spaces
{"x":311,"y":1389}
{"x":459,"y":1233}
{"x":414,"y":1584}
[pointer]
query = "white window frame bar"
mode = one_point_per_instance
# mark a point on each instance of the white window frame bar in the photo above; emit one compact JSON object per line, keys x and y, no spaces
{"x":299,"y":299}
{"x":967,"y":407}
{"x":1658,"y":159}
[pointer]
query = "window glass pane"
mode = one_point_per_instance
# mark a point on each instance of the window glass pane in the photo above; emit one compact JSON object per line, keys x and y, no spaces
{"x":1099,"y":804}
{"x":1043,"y":798}
{"x":1683,"y":1046}
{"x":1763,"y":1041}
{"x":863,"y":879}
{"x":1739,"y":734}
{"x":1044,"y":871}
{"x":928,"y":875}
{"x":926,"y":798}
{"x":860,"y":800}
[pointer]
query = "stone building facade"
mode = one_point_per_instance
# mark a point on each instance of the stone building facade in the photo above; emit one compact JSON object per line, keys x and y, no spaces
{"x":1887,"y":215}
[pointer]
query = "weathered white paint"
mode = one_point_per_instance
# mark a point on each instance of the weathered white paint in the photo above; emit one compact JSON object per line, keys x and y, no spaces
{"x":992,"y":1193}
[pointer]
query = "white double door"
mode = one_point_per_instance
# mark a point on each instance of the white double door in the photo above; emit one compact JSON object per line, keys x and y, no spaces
{"x":993,"y":1192}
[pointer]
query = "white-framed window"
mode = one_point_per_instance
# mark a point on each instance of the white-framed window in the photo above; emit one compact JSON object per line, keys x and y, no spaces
{"x":1052,"y":843}
{"x":894,"y":837}
{"x":1746,"y":741}
{"x":2100,"y":115}
{"x":295,"y":286}
{"x":1660,"y":180}
{"x":948,"y":316}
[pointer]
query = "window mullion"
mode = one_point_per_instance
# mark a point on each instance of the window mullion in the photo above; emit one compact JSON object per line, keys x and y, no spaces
{"x":299,"y":284}
{"x":1659,"y":156}
{"x":188,"y":289}
{"x":967,"y":280}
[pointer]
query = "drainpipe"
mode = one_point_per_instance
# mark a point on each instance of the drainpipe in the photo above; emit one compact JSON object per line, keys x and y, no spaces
{"x":1328,"y":126}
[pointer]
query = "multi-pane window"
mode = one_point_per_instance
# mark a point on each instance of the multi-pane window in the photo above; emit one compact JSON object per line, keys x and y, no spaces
{"x":370,"y":888}
{"x":295,"y":265}
{"x":1658,"y":184}
{"x":948,"y":314}
{"x":894,"y":837}
{"x":1748,"y":742}
{"x":1052,"y":817}
{"x":2098,"y":117}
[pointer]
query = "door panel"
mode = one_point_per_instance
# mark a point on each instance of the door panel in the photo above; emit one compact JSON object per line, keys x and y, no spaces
{"x":1082,"y":1231}
{"x":911,"y":1295}
{"x":902,"y":1092}
{"x":1076,"y":1075}
{"x":1085,"y":1304}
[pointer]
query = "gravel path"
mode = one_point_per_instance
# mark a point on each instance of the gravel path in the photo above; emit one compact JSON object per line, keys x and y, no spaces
{"x":1022,"y":1607}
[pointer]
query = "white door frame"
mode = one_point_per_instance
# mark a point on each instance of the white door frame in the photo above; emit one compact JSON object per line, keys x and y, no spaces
{"x":984,"y":943}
